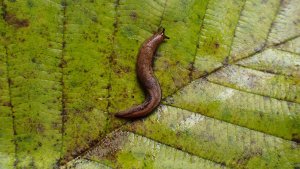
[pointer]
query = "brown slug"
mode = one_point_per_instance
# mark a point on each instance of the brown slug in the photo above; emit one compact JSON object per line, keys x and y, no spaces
{"x":146,"y":78}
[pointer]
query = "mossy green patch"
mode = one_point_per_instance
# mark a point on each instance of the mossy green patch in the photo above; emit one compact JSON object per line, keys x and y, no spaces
{"x":7,"y":146}
{"x":85,"y":66}
{"x":34,"y":81}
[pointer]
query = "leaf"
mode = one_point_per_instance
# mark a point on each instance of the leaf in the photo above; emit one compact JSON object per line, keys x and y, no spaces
{"x":129,"y":149}
{"x":229,"y":76}
{"x":86,"y":164}
{"x":207,"y":137}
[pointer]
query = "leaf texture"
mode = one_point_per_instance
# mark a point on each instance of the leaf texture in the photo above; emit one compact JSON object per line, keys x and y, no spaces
{"x":229,"y":74}
{"x":131,"y":150}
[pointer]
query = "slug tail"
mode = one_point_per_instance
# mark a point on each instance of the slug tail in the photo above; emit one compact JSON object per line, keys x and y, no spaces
{"x":141,"y":110}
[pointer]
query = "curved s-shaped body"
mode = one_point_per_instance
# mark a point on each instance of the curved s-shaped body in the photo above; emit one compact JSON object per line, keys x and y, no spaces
{"x":146,"y":78}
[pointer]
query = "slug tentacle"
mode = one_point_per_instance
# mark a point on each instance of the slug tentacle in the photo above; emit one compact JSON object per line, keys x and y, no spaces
{"x":146,"y":78}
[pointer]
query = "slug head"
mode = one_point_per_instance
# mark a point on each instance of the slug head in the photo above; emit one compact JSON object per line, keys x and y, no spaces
{"x":157,"y":38}
{"x":161,"y":32}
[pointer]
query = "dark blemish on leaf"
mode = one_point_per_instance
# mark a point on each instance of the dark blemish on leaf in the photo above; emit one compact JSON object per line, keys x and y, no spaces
{"x":269,"y":71}
{"x":62,"y":64}
{"x":217,"y":45}
{"x":55,"y":125}
{"x":8,"y":104}
{"x":166,"y":65}
{"x":296,"y":165}
{"x":133,"y":15}
{"x":11,"y":19}
{"x":32,"y":165}
{"x":205,"y":73}
{"x":118,"y":71}
{"x":291,"y":104}
{"x":126,"y":69}
{"x":248,"y":155}
{"x":22,"y":40}
{"x":33,"y":60}
{"x":94,"y":19}
{"x":258,"y":49}
{"x":30,"y":3}
{"x":223,"y":164}
{"x":108,"y":87}
{"x":266,"y":98}
{"x":40,"y":144}
{"x":170,"y":100}
{"x":113,"y":60}
{"x":296,"y":22}
{"x":261,"y":114}
{"x":177,"y":81}
{"x":40,"y":128}
{"x":115,"y":24}
{"x":128,"y":31}
{"x":264,"y":1}
{"x":226,"y":61}
{"x":296,"y":97}
{"x":109,"y":146}
{"x":10,"y":81}
{"x":296,"y":137}
{"x":125,"y":95}
{"x":191,"y":67}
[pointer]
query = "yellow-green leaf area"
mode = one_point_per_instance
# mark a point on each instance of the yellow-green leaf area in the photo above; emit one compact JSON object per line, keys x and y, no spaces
{"x":129,"y":150}
{"x":229,"y":76}
{"x":206,"y":137}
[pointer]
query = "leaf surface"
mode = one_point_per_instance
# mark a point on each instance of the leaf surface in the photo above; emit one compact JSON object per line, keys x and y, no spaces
{"x":230,"y":78}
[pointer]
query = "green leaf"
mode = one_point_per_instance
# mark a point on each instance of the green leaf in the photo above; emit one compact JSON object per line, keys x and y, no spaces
{"x":230,"y":78}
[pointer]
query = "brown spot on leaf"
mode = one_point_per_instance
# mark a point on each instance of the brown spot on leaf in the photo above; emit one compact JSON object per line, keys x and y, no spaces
{"x":62,"y":64}
{"x":109,"y":146}
{"x":12,"y":19}
{"x":191,"y":66}
{"x":217,"y":45}
{"x":133,"y":15}
{"x":7,"y":104}
{"x":296,"y":137}
{"x":40,"y":128}
{"x":226,"y":61}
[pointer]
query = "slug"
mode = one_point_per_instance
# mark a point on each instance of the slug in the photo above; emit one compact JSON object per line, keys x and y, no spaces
{"x":146,"y":78}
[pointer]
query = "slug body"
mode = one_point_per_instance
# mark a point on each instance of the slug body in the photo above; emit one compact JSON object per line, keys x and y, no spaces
{"x":146,"y":78}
